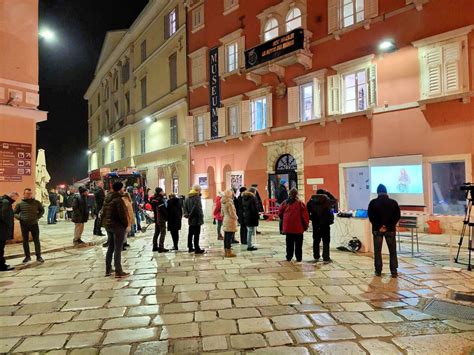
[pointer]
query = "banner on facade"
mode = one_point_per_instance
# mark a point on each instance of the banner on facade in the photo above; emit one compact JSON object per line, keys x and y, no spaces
{"x":15,"y":161}
{"x":274,"y":48}
{"x":214,"y":91}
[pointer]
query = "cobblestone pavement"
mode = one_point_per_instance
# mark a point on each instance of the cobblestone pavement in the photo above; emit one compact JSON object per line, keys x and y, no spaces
{"x":182,"y":303}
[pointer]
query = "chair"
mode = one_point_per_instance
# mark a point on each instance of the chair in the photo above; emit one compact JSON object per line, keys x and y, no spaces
{"x":410,"y":223}
{"x":272,"y":209}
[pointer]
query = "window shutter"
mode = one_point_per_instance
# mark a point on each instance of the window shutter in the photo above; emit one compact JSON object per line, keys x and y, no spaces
{"x":451,"y":68}
{"x":221,"y":112}
{"x":166,"y":26}
{"x":293,"y":104}
{"x":372,"y":80}
{"x":432,"y":72}
{"x":222,"y":60}
{"x":334,"y":95}
{"x":334,"y":11}
{"x":207,"y":126}
{"x":269,"y":110}
{"x":245,"y":116}
{"x":189,"y":129}
{"x":371,"y":8}
{"x":242,"y":52}
{"x":408,"y":2}
{"x":317,"y":99}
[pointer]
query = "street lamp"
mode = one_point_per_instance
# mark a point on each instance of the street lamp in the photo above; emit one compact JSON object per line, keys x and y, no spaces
{"x":387,"y":45}
{"x":47,"y":35}
{"x":89,"y":152}
{"x":148,"y":119}
{"x":105,"y":139}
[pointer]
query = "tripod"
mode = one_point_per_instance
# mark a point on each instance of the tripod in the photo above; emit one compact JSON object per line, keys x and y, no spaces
{"x":467,"y":230}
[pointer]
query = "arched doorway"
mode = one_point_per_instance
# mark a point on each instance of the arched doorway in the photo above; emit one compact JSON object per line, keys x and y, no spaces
{"x":285,"y":169}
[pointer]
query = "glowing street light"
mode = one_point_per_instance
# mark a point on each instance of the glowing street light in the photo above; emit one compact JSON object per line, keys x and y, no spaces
{"x":105,"y":139}
{"x":148,"y":119}
{"x":89,"y":152}
{"x":386,"y":45}
{"x":47,"y":35}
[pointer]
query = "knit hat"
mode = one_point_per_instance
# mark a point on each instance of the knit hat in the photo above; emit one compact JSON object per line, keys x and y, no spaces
{"x":117,"y":186}
{"x":381,"y":189}
{"x":158,"y":190}
{"x":242,"y":189}
{"x":82,"y":189}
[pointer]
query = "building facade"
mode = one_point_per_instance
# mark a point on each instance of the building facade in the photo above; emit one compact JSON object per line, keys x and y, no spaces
{"x":137,"y":100}
{"x":312,"y":91}
{"x":19,"y":94}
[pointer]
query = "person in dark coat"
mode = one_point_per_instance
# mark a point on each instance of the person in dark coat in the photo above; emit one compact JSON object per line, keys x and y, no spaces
{"x":282,"y":193}
{"x":251,"y":216}
{"x":68,"y":197}
{"x":6,"y":225}
{"x":384,"y":214}
{"x":53,"y":206}
{"x":261,"y":209}
{"x":321,"y":216}
{"x":175,"y":215}
{"x":99,"y":197}
{"x":240,"y":214}
{"x":80,"y":214}
{"x":161,"y":215}
{"x":137,"y":201}
{"x":195,"y":215}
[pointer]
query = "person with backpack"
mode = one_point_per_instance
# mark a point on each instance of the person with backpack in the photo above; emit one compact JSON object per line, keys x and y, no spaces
{"x":295,"y":218}
{"x":321,"y":216}
{"x":175,"y":215}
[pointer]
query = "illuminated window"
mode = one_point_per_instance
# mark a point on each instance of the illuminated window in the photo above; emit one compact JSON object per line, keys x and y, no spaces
{"x":306,"y":102}
{"x":259,"y":114}
{"x":172,"y":22}
{"x":233,"y":120}
{"x":271,"y":29}
{"x":143,"y":141}
{"x":112,"y":152}
{"x":355,"y":91}
{"x":232,"y":55}
{"x":200,"y":128}
{"x":293,"y":19}
{"x":174,"y":131}
{"x":122,"y":148}
{"x":352,"y":12}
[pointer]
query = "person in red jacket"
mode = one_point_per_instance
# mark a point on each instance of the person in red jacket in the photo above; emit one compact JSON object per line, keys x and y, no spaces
{"x":295,"y":218}
{"x":217,"y":214}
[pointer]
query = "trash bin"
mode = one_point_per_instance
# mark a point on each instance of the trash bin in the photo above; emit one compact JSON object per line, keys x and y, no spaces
{"x":434,"y":226}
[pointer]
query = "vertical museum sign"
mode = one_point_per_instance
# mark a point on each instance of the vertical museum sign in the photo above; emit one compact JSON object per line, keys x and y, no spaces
{"x":214,"y":91}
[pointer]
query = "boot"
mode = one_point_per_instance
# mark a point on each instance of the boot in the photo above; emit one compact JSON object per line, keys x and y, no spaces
{"x":229,"y":253}
{"x":220,"y":237}
{"x":108,"y":271}
{"x":120,"y":274}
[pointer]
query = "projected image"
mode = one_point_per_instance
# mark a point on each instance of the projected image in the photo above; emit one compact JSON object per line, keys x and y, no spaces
{"x":400,"y":179}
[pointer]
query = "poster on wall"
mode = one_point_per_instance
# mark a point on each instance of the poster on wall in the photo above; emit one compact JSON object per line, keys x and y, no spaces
{"x":236,"y":181}
{"x":214,"y":91}
{"x":15,"y":161}
{"x":202,"y":180}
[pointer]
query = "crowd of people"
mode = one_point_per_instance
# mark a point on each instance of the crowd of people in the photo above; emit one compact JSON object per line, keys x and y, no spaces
{"x":118,"y":212}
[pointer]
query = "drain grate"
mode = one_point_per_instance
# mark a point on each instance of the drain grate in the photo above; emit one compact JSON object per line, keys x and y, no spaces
{"x":443,"y":309}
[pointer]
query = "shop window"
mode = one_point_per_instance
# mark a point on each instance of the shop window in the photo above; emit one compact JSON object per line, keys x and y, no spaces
{"x":174,"y":131}
{"x":143,"y":141}
{"x":271,"y":29}
{"x":122,"y":148}
{"x":293,"y":19}
{"x":258,"y":114}
{"x":233,"y":120}
{"x":198,"y":18}
{"x":200,"y":128}
{"x":447,"y":177}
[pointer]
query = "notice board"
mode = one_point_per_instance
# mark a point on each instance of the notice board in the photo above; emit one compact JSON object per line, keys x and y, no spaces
{"x":15,"y":161}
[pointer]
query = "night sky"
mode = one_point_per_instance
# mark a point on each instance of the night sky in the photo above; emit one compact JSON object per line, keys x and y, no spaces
{"x":66,"y":70}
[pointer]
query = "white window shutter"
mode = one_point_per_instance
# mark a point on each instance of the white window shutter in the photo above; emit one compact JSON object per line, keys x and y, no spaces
{"x":222,"y":123}
{"x":432,"y":72}
{"x":195,"y":70}
{"x":245,"y":116}
{"x":269,"y":110}
{"x":293,"y":104}
{"x":451,"y":68}
{"x":317,"y":109}
{"x":334,"y":19}
{"x":334,"y":95}
{"x":207,"y":126}
{"x":189,"y":129}
{"x":222,"y":60}
{"x":242,"y":52}
{"x":372,"y":80}
{"x":371,"y":9}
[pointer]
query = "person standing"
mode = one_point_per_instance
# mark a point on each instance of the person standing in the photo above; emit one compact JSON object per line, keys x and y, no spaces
{"x":99,"y":197}
{"x":53,"y":205}
{"x":195,"y":215}
{"x":175,"y":215}
{"x":251,"y":216}
{"x":137,"y":201}
{"x":68,"y":197}
{"x":217,"y":214}
{"x":28,"y":211}
{"x":240,"y":214}
{"x":159,"y":209}
{"x":115,"y":221}
{"x":6,"y":226}
{"x":321,"y":216}
{"x":295,"y":218}
{"x":127,"y":199}
{"x":229,"y":222}
{"x":80,"y":214}
{"x":261,"y":210}
{"x":133,"y":229}
{"x":282,"y":193}
{"x":384,"y":214}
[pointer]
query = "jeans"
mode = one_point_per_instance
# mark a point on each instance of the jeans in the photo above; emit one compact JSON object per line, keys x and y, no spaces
{"x":78,"y":230}
{"x":250,"y":235}
{"x":243,"y":233}
{"x":219,"y":228}
{"x":294,"y":244}
{"x":324,"y":233}
{"x":2,"y":252}
{"x":160,"y":231}
{"x":193,"y":235}
{"x":138,"y":219}
{"x":52,"y":214}
{"x":97,"y":225}
{"x":175,"y":237}
{"x":392,"y":248}
{"x":115,"y":238}
{"x":228,"y":238}
{"x":25,"y":231}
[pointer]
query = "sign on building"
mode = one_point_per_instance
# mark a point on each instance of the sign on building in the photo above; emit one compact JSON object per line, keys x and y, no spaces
{"x":15,"y":161}
{"x":214,"y":91}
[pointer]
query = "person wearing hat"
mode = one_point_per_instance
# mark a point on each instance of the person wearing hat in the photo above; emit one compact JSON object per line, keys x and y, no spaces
{"x":161,"y":216}
{"x":192,"y":209}
{"x":80,"y":214}
{"x":384,"y":214}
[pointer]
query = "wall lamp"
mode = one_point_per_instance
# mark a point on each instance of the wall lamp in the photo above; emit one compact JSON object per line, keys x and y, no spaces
{"x":149,"y":119}
{"x":387,"y":45}
{"x":105,"y":139}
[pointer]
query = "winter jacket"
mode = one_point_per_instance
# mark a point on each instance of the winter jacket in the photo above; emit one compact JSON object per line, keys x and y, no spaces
{"x":259,"y":202}
{"x":217,"y":213}
{"x":229,"y":222}
{"x":53,"y":199}
{"x":193,"y":209}
{"x":6,"y":218}
{"x":239,"y":208}
{"x":80,"y":212}
{"x":319,"y":209}
{"x":383,"y":211}
{"x":99,"y":196}
{"x":282,"y":194}
{"x":130,"y":213}
{"x":29,"y":211}
{"x":68,"y":200}
{"x":295,"y":216}
{"x":159,"y":208}
{"x":175,"y":214}
{"x":114,"y":212}
{"x":136,"y":201}
{"x":250,"y":209}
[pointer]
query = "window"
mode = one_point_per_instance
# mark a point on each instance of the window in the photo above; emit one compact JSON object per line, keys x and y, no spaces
{"x":199,"y":66}
{"x":200,"y":128}
{"x":172,"y":22}
{"x":198,"y":18}
{"x":258,"y":114}
{"x":116,"y":107}
{"x":98,"y":99}
{"x":143,"y":51}
{"x":143,"y":91}
{"x":112,"y":152}
{"x":102,"y":157}
{"x":173,"y":71}
{"x":346,"y":13}
{"x":143,"y":141}
{"x":175,"y":185}
{"x":447,"y":177}
{"x":232,"y":56}
{"x":271,"y":29}
{"x":116,"y":82}
{"x":306,"y":102}
{"x":293,"y":19}
{"x":355,"y":91}
{"x":127,"y":102}
{"x":162,"y":183}
{"x":230,"y":5}
{"x":122,"y":148}
{"x":352,"y":12}
{"x":233,"y":117}
{"x":173,"y":131}
{"x":125,"y":72}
